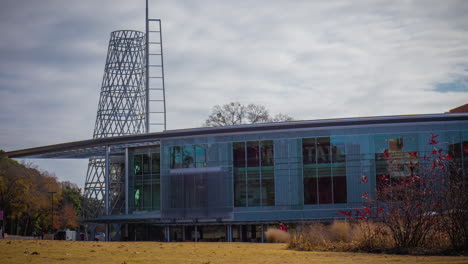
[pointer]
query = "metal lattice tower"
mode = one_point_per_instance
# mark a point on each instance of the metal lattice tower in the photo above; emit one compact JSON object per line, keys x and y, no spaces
{"x":122,"y":110}
{"x":122,"y":105}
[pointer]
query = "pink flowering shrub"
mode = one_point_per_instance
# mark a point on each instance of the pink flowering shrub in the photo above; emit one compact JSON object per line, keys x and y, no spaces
{"x":420,"y":198}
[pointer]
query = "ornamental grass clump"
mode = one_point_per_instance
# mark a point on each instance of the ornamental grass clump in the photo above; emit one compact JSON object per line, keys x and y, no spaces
{"x":342,"y":236}
{"x":337,"y":236}
{"x":274,"y":235}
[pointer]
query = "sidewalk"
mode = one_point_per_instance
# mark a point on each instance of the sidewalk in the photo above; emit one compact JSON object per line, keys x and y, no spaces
{"x":20,"y":237}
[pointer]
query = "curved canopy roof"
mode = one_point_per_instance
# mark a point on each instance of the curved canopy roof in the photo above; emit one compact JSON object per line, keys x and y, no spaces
{"x":97,"y":147}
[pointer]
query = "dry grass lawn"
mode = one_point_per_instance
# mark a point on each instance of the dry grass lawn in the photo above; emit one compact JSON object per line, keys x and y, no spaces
{"x":51,"y":252}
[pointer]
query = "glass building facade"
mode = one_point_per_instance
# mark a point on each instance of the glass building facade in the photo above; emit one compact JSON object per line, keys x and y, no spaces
{"x":292,"y":175}
{"x":230,"y":183}
{"x":145,"y":180}
{"x":253,"y":169}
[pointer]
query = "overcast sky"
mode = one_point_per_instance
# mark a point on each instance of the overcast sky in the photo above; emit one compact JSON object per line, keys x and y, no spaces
{"x":308,"y":59}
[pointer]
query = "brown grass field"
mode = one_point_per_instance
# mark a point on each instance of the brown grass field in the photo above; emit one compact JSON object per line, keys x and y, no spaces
{"x":51,"y":252}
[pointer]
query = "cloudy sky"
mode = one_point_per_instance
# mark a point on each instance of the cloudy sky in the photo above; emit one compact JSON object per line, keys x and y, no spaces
{"x":307,"y":59}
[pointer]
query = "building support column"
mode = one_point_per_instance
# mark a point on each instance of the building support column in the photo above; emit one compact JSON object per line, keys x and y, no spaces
{"x":183,"y":233}
{"x":241,"y":237}
{"x":126,"y":181}
{"x":196,"y":233}
{"x":263,"y":233}
{"x":167,"y":232}
{"x":229,"y":233}
{"x":106,"y":181}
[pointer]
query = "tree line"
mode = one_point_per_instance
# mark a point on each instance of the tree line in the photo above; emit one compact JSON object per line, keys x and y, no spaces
{"x":34,"y":201}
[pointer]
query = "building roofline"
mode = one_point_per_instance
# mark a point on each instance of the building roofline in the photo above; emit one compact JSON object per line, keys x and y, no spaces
{"x":134,"y":140}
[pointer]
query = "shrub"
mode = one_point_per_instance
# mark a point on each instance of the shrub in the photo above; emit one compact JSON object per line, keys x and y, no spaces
{"x":312,"y":237}
{"x":420,"y":202}
{"x":275,"y":235}
{"x":372,"y":237}
{"x":340,"y":231}
{"x":342,"y":236}
{"x":319,"y":236}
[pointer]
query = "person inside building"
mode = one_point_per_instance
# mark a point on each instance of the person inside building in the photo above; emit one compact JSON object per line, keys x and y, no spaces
{"x":282,"y":227}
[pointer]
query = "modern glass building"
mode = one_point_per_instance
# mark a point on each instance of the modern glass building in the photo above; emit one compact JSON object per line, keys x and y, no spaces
{"x":230,"y":183}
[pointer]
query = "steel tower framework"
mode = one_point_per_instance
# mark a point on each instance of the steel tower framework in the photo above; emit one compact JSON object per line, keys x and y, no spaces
{"x":122,"y":110}
{"x":132,"y":99}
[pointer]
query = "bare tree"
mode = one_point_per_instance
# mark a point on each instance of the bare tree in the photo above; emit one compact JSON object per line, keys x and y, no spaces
{"x":257,"y":114}
{"x":235,"y":113}
{"x":226,"y":115}
{"x":281,"y":118}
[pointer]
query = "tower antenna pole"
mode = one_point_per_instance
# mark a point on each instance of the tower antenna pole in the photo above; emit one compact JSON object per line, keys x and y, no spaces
{"x":147,"y":69}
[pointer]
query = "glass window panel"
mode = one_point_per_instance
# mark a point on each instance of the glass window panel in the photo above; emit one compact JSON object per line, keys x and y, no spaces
{"x":454,"y":148}
{"x":339,"y":189}
{"x":268,"y":191}
{"x":395,"y":144}
{"x":200,"y":154}
{"x":240,"y":188}
{"x":156,"y":195}
{"x":252,"y":188}
{"x":324,"y":170}
{"x":411,"y":142}
{"x":146,"y":197}
{"x":325,"y":190}
{"x":464,"y":151}
{"x":147,"y":177}
{"x":324,"y":184}
{"x":238,"y":154}
{"x":146,"y":163}
{"x":339,"y":184}
{"x":176,"y":157}
{"x":308,"y":151}
{"x":138,"y":196}
{"x":323,"y":150}
{"x":268,"y":173}
{"x":338,"y":153}
{"x":188,"y":157}
{"x":267,"y":152}
{"x":116,"y":172}
{"x":240,"y":195}
{"x":381,"y":170}
{"x":253,"y":192}
{"x":310,"y":190}
{"x":380,"y":143}
{"x":253,"y":154}
{"x":137,"y":163}
{"x":253,"y":173}
{"x":339,"y":171}
{"x":310,"y":171}
{"x":268,"y":186}
{"x":155,"y":161}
